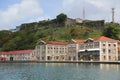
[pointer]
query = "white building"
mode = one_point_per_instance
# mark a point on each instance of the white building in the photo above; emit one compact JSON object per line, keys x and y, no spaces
{"x":20,"y":55}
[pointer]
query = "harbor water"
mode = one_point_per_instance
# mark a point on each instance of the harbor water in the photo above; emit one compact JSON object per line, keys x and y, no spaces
{"x":59,"y":71}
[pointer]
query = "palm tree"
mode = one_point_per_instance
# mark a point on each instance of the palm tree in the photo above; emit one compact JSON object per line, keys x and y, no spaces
{"x":91,"y":57}
{"x":81,"y":57}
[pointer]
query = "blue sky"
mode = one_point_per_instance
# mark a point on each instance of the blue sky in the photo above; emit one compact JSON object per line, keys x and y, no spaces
{"x":15,"y":12}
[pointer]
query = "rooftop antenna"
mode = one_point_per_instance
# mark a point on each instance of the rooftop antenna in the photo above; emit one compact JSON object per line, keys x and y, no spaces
{"x":83,"y":13}
{"x":113,"y":12}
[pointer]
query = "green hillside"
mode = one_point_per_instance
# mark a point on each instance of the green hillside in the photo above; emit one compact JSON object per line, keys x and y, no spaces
{"x":29,"y":34}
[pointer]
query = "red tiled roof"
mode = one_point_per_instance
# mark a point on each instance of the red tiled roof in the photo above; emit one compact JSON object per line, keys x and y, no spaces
{"x":119,"y":43}
{"x":17,"y":52}
{"x":103,"y":38}
{"x":119,"y":49}
{"x":56,"y":43}
{"x":79,"y":41}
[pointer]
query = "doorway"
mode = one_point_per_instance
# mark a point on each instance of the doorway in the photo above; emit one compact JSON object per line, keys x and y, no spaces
{"x":11,"y":58}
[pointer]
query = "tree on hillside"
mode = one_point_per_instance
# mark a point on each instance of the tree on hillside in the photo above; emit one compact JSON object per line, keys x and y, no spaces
{"x":5,"y":36}
{"x":61,"y":18}
{"x":112,"y":31}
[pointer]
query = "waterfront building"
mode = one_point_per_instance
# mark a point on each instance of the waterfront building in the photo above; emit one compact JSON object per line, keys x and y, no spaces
{"x":73,"y":48}
{"x":51,"y":51}
{"x":119,"y":50}
{"x":91,"y":49}
{"x":19,"y":55}
{"x":99,"y":49}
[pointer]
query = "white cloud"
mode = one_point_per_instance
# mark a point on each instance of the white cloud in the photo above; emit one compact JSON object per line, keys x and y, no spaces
{"x":36,"y":19}
{"x":19,"y":12}
{"x":94,"y":9}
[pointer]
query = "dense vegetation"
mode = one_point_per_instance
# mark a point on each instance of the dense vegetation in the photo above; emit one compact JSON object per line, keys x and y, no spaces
{"x":112,"y":30}
{"x":26,"y":38}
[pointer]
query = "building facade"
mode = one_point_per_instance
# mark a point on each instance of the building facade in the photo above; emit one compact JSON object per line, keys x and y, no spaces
{"x":51,"y":51}
{"x":20,"y":55}
{"x":73,"y":49}
{"x":91,"y":49}
{"x":72,"y":52}
{"x":119,"y":50}
{"x":96,"y":49}
{"x":99,"y":49}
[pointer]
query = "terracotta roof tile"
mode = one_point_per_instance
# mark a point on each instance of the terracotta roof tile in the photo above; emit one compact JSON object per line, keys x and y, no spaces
{"x":103,"y":38}
{"x":119,"y":49}
{"x":119,"y":43}
{"x":79,"y":41}
{"x":56,"y":42}
{"x":17,"y":52}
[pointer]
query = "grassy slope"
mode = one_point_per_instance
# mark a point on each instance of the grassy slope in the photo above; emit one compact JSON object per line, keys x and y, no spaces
{"x":27,"y":39}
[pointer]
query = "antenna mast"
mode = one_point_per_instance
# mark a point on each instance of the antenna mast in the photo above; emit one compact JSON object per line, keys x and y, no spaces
{"x":113,"y":12}
{"x":83,"y":13}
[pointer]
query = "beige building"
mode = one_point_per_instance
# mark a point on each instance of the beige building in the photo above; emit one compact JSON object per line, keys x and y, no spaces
{"x":78,"y":20}
{"x":73,"y":49}
{"x":99,"y":49}
{"x":51,"y":51}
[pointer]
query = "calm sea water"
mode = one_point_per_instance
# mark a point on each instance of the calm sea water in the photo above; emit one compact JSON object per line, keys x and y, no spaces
{"x":59,"y":71}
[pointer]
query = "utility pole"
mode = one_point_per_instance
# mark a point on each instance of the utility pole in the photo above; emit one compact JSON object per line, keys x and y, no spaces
{"x":113,"y":12}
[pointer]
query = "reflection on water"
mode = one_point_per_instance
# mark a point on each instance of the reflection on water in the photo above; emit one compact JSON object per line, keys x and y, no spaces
{"x":109,"y":66}
{"x":59,"y":71}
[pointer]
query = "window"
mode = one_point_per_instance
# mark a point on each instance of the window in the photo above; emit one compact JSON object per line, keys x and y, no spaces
{"x":74,"y":58}
{"x":114,"y":45}
{"x":48,"y":58}
{"x":103,"y":44}
{"x":104,"y":57}
{"x":103,"y":50}
{"x":109,"y":51}
{"x":69,"y":58}
{"x":42,"y":58}
{"x":109,"y":57}
{"x":108,"y":44}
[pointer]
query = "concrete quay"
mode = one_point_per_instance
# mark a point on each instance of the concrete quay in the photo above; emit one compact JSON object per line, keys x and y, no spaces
{"x":100,"y":62}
